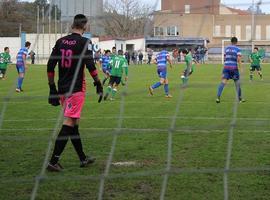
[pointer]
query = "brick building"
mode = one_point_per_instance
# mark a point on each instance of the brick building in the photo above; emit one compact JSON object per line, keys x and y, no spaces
{"x":208,"y":19}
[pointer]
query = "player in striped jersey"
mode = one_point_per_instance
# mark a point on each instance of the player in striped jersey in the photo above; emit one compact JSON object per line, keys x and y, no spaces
{"x":161,"y":60}
{"x":21,"y":65}
{"x":232,"y":64}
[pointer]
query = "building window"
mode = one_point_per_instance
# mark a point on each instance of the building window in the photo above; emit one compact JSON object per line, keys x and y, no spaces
{"x":158,"y":31}
{"x":268,"y":32}
{"x":216,"y":31}
{"x":238,"y":32}
{"x":172,"y":31}
{"x":258,"y":32}
{"x":248,"y":32}
{"x":187,"y":9}
{"x":228,"y":31}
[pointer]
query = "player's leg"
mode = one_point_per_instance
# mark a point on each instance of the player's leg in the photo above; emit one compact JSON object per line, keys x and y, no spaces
{"x":166,"y":88}
{"x":251,"y":72}
{"x":224,"y":80}
{"x":259,"y":71}
{"x":115,"y":87}
{"x":106,"y":76}
{"x":109,"y":88}
{"x":4,"y":73}
{"x":60,"y":144}
{"x":21,"y":72}
{"x":1,"y":74}
{"x":162,"y":76}
{"x":238,"y":90}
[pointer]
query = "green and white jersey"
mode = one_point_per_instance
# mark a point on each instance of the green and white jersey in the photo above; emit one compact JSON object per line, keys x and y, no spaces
{"x":4,"y":60}
{"x":255,"y":59}
{"x":118,"y":64}
{"x":189,"y":61}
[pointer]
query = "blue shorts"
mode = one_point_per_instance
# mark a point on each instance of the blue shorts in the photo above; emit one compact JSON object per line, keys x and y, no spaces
{"x":231,"y":74}
{"x":162,"y":74}
{"x":20,"y":69}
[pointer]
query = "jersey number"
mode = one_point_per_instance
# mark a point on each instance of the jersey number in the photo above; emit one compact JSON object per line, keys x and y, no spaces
{"x":117,"y":63}
{"x":66,"y":58}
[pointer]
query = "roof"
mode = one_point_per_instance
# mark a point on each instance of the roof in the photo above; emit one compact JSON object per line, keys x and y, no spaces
{"x":107,"y":38}
{"x":238,"y":11}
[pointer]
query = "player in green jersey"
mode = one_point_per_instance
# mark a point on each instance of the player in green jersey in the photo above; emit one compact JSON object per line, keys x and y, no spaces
{"x":4,"y":60}
{"x":118,"y":64}
{"x":190,"y":64}
{"x":255,"y":60}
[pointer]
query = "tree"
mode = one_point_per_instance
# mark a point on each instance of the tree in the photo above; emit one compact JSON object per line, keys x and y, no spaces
{"x":125,"y":18}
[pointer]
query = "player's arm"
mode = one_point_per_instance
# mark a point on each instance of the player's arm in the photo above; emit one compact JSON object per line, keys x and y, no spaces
{"x":250,"y":59}
{"x":239,"y":61}
{"x":53,"y":95}
{"x":24,"y":60}
{"x":90,"y":65}
{"x":126,"y":69}
{"x":169,"y":60}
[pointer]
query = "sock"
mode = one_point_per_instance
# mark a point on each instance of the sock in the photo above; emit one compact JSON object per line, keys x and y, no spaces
{"x":77,"y":143}
{"x":166,"y":89}
{"x":156,"y":85}
{"x":104,"y":80}
{"x":20,"y":81}
{"x":60,"y":143}
{"x":238,"y":89}
{"x":251,"y":76}
{"x":260,"y":74}
{"x":114,"y":92}
{"x":220,"y":89}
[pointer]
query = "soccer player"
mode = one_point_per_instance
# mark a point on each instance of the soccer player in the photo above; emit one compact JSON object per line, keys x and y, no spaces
{"x":4,"y":60}
{"x":255,"y":60}
{"x":21,"y":65}
{"x":72,"y":53}
{"x":118,"y":64}
{"x":190,"y":64}
{"x":161,"y":60}
{"x":232,"y":64}
{"x":104,"y":61}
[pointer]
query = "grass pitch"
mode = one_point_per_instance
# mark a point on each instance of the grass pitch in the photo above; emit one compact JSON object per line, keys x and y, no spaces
{"x":199,"y":140}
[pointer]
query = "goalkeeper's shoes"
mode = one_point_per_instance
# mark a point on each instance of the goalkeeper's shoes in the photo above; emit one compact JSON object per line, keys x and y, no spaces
{"x":87,"y":161}
{"x":218,"y":100}
{"x":151,"y":90}
{"x":54,"y":168}
{"x":168,"y":96}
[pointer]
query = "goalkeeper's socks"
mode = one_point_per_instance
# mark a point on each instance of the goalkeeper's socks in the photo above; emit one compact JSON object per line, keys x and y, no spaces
{"x":220,"y":89}
{"x":60,"y":143}
{"x":166,"y":89}
{"x":77,"y":143}
{"x":156,"y":85}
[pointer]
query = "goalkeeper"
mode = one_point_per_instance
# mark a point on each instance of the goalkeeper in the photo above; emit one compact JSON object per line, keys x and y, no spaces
{"x":72,"y":53}
{"x":118,"y":64}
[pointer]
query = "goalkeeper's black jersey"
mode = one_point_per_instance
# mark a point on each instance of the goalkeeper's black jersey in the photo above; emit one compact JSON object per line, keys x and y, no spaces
{"x":70,"y":53}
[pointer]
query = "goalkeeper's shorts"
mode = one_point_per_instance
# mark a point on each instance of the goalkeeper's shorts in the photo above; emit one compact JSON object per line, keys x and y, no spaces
{"x":73,"y":105}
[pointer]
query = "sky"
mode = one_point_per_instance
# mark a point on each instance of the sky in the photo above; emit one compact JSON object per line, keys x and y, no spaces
{"x":241,"y":4}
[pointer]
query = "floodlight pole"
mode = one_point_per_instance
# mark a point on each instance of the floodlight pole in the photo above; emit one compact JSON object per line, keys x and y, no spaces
{"x":252,"y":24}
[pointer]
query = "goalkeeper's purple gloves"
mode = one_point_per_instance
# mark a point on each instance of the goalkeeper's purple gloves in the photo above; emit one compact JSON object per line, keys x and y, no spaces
{"x":53,"y":96}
